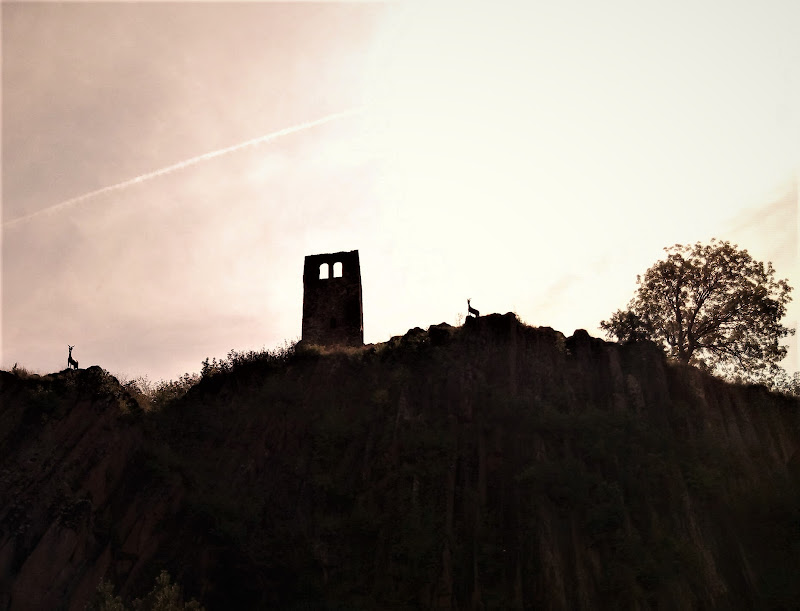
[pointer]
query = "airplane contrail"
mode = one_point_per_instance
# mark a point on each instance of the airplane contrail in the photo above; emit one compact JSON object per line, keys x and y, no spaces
{"x":184,"y":164}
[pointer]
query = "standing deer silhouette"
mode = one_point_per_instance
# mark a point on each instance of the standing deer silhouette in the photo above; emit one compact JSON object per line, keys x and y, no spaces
{"x":471,"y":310}
{"x":70,"y":360}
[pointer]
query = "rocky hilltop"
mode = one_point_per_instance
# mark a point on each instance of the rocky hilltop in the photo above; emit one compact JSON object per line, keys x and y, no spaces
{"x":493,"y":466}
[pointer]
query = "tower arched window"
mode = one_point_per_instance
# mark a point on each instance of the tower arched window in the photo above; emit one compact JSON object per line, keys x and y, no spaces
{"x":337,"y":269}
{"x":324,"y":271}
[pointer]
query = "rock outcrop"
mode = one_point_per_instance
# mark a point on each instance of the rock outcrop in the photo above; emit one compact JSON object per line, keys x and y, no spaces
{"x":493,"y":465}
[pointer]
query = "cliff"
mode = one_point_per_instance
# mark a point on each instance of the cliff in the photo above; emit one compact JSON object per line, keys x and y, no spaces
{"x":490,"y":466}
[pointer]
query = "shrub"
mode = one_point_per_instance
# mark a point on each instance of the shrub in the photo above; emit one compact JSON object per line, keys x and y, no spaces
{"x":165,"y":596}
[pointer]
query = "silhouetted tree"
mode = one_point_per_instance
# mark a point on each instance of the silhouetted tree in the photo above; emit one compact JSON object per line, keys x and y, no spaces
{"x":787,"y":384}
{"x":710,"y":305}
{"x":627,"y":326}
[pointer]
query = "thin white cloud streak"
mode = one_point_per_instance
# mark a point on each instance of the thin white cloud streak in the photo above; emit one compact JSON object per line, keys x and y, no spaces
{"x":185,"y":164}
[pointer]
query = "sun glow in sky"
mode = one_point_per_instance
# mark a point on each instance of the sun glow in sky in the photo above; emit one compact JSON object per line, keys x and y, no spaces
{"x":534,"y":157}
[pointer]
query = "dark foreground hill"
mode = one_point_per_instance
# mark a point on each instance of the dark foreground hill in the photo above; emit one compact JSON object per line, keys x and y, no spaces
{"x":493,"y":466}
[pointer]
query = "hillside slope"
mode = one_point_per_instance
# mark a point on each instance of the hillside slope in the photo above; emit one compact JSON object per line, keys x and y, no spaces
{"x":490,"y":466}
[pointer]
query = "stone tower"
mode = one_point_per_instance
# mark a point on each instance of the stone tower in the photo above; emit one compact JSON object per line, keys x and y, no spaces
{"x":332,"y":310}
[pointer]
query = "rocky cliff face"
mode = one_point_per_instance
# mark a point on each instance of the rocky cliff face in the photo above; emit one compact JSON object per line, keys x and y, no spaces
{"x":490,"y":466}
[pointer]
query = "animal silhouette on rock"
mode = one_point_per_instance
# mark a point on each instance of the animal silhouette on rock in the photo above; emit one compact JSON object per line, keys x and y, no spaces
{"x":71,"y":361}
{"x":472,"y":311}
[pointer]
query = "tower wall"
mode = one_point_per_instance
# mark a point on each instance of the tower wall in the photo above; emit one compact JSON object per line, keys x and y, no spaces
{"x":332,"y":308}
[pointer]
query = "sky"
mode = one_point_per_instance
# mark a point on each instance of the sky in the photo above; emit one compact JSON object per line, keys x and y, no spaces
{"x":166,"y":167}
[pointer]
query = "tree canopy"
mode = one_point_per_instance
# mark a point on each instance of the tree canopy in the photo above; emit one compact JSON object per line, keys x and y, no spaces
{"x":711,"y":305}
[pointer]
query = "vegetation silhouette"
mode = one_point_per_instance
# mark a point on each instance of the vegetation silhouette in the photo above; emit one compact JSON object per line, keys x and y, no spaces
{"x":165,"y":596}
{"x":713,"y":306}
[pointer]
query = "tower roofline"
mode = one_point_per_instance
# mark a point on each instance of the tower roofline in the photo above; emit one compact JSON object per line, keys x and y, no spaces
{"x":330,"y":255}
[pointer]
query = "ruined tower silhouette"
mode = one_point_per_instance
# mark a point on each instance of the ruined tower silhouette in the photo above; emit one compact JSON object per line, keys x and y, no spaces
{"x":332,"y":310}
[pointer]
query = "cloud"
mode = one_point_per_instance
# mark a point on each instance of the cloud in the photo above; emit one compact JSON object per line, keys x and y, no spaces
{"x":144,"y":86}
{"x":778,"y":219}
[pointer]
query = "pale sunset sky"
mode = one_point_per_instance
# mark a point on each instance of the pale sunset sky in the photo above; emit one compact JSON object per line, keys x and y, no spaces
{"x":167,"y":166}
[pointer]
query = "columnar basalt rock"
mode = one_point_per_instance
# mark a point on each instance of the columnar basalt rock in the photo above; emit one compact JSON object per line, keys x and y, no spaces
{"x":332,"y":307}
{"x":492,"y":465}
